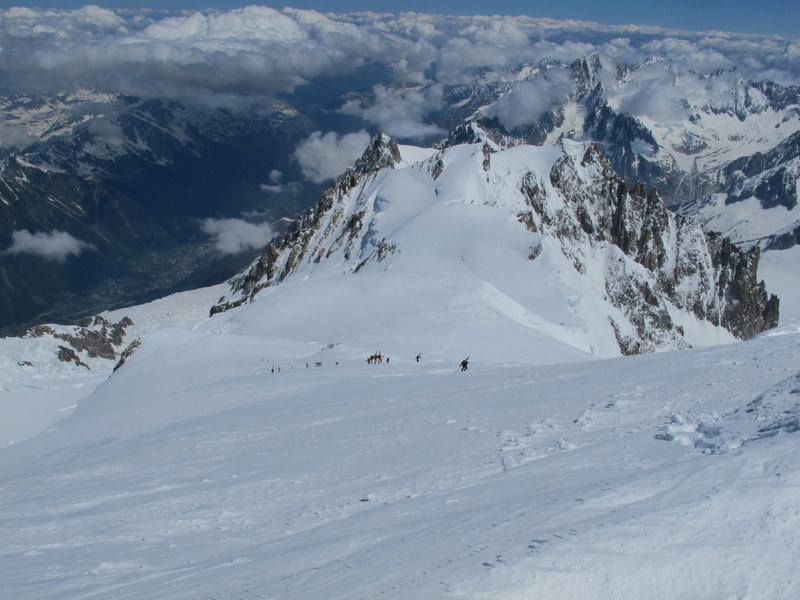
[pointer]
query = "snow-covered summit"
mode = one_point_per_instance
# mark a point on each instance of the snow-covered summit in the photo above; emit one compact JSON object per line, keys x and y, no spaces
{"x":546,"y":236}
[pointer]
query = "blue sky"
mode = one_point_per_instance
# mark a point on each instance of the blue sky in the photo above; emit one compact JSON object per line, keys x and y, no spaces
{"x":780,"y":17}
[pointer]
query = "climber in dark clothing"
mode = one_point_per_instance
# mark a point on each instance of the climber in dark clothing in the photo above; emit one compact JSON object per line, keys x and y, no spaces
{"x":465,"y":364}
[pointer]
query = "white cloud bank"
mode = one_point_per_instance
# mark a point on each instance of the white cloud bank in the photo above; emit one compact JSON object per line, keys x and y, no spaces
{"x":400,"y":112}
{"x":247,"y":55}
{"x":323,"y":157}
{"x":232,"y":236}
{"x":526,"y":102}
{"x":55,"y":245}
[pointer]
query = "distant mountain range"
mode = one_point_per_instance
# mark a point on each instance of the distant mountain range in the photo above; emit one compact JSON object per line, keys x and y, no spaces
{"x":132,"y":181}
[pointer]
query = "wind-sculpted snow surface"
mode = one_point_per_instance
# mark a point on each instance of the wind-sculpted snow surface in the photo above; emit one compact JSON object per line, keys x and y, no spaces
{"x":216,"y":464}
{"x":635,"y":276}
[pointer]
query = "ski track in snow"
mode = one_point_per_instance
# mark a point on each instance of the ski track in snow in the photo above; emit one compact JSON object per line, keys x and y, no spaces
{"x":215,"y":464}
{"x":664,"y":476}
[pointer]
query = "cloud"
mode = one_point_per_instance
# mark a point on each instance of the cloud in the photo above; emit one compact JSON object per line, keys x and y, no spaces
{"x":400,"y":112}
{"x":668,"y":90}
{"x":106,"y":131}
{"x":55,"y":245}
{"x":232,"y":236}
{"x":245,"y":57}
{"x":215,"y":58}
{"x":276,"y":184}
{"x":527,"y":100}
{"x":14,"y":136}
{"x":323,"y":157}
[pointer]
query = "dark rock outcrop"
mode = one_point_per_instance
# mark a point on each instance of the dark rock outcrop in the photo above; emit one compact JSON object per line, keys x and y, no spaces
{"x":95,"y":337}
{"x":771,"y":177}
{"x":695,"y":270}
{"x":282,"y":255}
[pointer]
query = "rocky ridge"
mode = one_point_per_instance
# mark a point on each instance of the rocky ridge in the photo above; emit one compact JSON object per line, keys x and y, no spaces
{"x":654,"y":262}
{"x":305,"y":237}
{"x":91,"y":342}
{"x":683,"y":264}
{"x":131,"y":178}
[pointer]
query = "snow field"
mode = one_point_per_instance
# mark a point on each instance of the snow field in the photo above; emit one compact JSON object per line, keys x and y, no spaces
{"x":221,"y":462}
{"x":195,"y":471}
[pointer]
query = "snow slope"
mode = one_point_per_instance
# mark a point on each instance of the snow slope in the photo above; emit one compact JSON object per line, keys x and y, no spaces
{"x":195,"y":471}
{"x":467,"y":279}
{"x":255,"y":454}
{"x":546,"y":238}
{"x":36,"y":388}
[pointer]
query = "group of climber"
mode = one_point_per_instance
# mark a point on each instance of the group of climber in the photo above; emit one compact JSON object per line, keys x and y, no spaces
{"x":378,"y":358}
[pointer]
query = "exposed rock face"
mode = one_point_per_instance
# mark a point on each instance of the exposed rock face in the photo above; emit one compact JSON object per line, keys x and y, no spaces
{"x":786,"y":239}
{"x":693,"y":269}
{"x":323,"y":229}
{"x":132,"y":178}
{"x":758,"y":202}
{"x":92,"y":338}
{"x":770,"y":177}
{"x":653,"y":262}
{"x":66,"y":354}
{"x":128,"y":352}
{"x":705,"y":154}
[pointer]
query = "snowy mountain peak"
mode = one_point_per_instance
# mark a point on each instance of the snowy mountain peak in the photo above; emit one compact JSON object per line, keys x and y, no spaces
{"x":381,"y":152}
{"x":625,"y":273}
{"x":473,"y":132}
